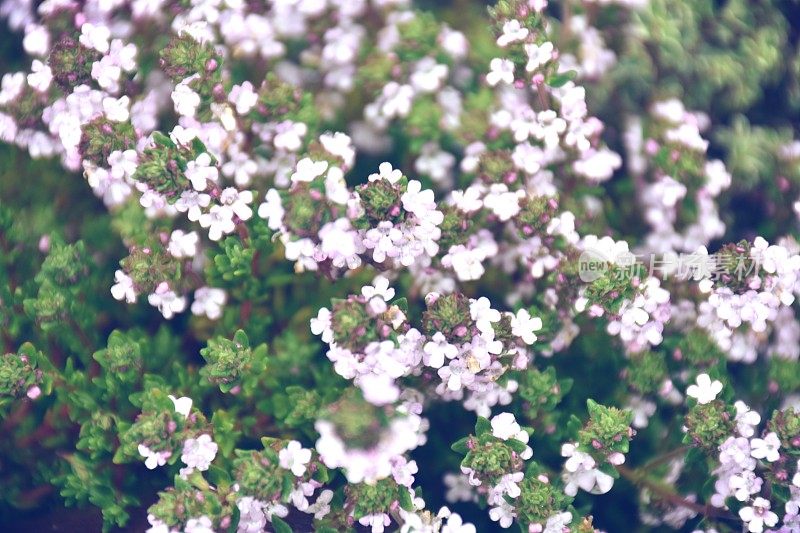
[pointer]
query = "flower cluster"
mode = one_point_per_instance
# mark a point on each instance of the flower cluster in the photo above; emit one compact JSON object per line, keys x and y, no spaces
{"x":466,"y":344}
{"x":760,"y":280}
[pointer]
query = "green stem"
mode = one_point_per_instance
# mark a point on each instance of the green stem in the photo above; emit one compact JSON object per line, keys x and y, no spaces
{"x":667,"y":494}
{"x":677,"y":452}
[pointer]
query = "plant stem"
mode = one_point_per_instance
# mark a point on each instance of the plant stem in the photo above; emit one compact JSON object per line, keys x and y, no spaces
{"x":681,"y":450}
{"x":665,"y":493}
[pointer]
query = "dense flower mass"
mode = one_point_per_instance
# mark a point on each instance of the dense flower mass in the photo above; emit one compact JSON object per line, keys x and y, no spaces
{"x":300,"y":265}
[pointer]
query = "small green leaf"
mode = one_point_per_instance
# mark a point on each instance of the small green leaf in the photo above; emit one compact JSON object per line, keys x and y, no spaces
{"x":460,"y":446}
{"x":405,"y":500}
{"x":280,"y":526}
{"x":516,"y":445}
{"x":561,"y":79}
{"x":483,"y":426}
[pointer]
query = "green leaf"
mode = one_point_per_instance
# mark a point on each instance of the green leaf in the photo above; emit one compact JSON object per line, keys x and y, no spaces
{"x":240,"y":337}
{"x":162,"y":139}
{"x":460,"y":446}
{"x":280,"y":526}
{"x":559,"y":80}
{"x":516,"y":445}
{"x":402,"y":303}
{"x":574,"y":425}
{"x":405,"y":500}
{"x":198,"y":146}
{"x":483,"y":426}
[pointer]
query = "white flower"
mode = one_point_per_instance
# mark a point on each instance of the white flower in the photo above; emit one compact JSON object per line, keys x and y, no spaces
{"x":107,"y":74}
{"x":796,"y":477}
{"x":705,"y":390}
{"x":513,"y":31}
{"x":123,"y":163}
{"x":289,"y":135}
{"x":243,"y":97}
{"x":403,"y":471}
{"x":538,"y":55}
{"x":466,"y":262}
{"x":458,"y":488}
{"x":295,"y":458}
{"x":524,"y":326}
{"x":336,"y":187}
{"x":766,"y":448}
{"x":123,"y":55}
{"x":598,"y":165}
{"x":238,"y":202}
{"x":116,"y":109}
{"x":378,"y":521}
{"x":386,"y":172}
{"x":482,"y":313}
{"x":12,"y":86}
{"x":505,"y":427}
{"x":301,"y":492}
{"x":251,"y":515}
{"x":502,"y":202}
{"x":219,"y":221}
{"x":758,"y":515}
{"x":508,"y":485}
{"x":153,"y":459}
{"x":396,"y":99}
{"x":421,"y":203}
{"x":340,"y":145}
{"x":437,"y":349}
{"x":40,"y":77}
{"x":436,"y":164}
{"x":502,"y":70}
{"x":428,"y":75}
{"x":123,"y":288}
{"x":185,"y":100}
{"x":381,"y":289}
{"x":209,"y":301}
{"x":157,"y":526}
{"x":453,"y":42}
{"x":184,"y":136}
{"x":183,"y":405}
{"x":590,"y":480}
{"x":380,"y":389}
{"x":182,"y":244}
{"x":503,"y":514}
{"x":199,"y":525}
{"x":198,"y":453}
{"x":322,"y":506}
{"x":745,"y":484}
{"x":192,"y":203}
{"x":307,"y":169}
{"x":95,"y":37}
{"x":275,"y":509}
{"x":37,"y":40}
{"x":558,"y":523}
{"x":272,"y":209}
{"x":746,"y":420}
{"x":457,"y":375}
{"x":341,"y":243}
{"x":321,"y":325}
{"x":166,"y":300}
{"x":201,"y":171}
{"x":580,"y":472}
{"x":454,"y":524}
{"x":8,"y":128}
